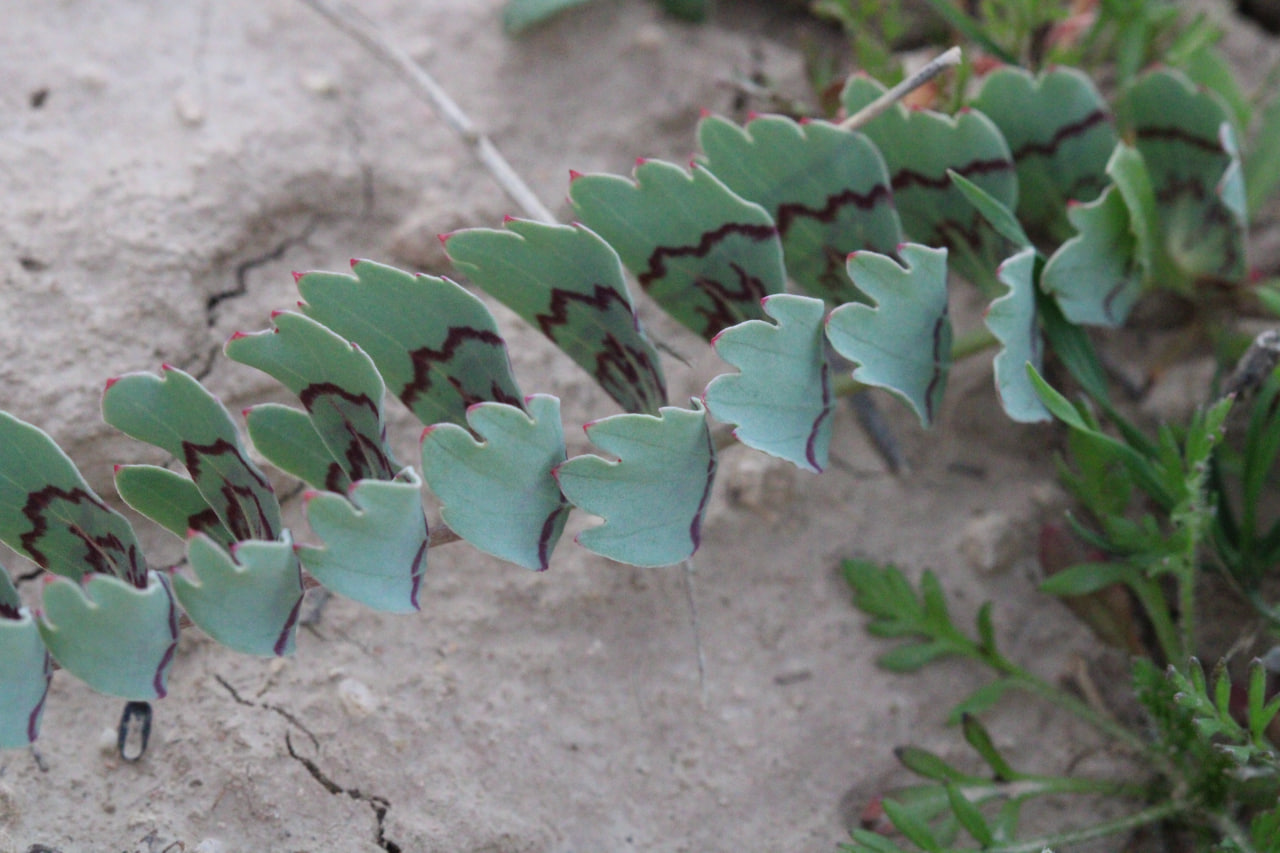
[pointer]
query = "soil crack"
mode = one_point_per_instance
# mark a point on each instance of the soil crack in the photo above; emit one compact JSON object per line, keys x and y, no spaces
{"x":289,"y":717}
{"x":380,"y":805}
{"x":247,"y":266}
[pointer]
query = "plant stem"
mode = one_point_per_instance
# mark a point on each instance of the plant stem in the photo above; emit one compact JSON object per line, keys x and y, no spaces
{"x":1062,"y":699}
{"x":935,"y":67}
{"x":1162,"y":811}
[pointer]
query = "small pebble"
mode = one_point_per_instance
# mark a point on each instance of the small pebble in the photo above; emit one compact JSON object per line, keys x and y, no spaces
{"x":990,"y":543}
{"x":109,"y":743}
{"x":320,"y":83}
{"x":209,"y":845}
{"x":357,"y":699}
{"x":188,"y":107}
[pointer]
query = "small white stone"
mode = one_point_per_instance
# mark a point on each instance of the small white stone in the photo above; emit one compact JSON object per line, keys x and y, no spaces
{"x":356,"y":698}
{"x":109,"y":742}
{"x":210,"y":845}
{"x":320,"y":83}
{"x":649,"y":37}
{"x":990,"y":543}
{"x":188,"y":107}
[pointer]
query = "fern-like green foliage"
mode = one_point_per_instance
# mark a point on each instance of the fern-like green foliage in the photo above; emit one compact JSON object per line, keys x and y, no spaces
{"x":770,"y":202}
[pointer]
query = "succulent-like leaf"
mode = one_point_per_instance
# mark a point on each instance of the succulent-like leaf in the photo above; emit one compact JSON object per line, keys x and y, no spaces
{"x":520,"y":15}
{"x":247,"y":599}
{"x":826,"y":188}
{"x":49,"y":514}
{"x":1060,"y":133}
{"x":904,"y":343}
{"x":920,"y":147}
{"x":1096,"y":276}
{"x":436,"y":345}
{"x":376,"y":538}
{"x":567,"y":283}
{"x":704,"y":254}
{"x":25,"y":670}
{"x":1012,"y":319}
{"x":113,"y":636}
{"x":170,"y":500}
{"x":288,"y":438}
{"x":1185,"y":138}
{"x":498,"y":492}
{"x":653,"y":498}
{"x":174,"y":412}
{"x":337,"y":383}
{"x":781,"y":399}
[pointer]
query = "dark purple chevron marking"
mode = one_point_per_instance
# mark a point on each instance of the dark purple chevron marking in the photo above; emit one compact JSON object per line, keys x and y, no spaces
{"x":787,"y":214}
{"x":33,"y":720}
{"x":282,"y":640}
{"x":727,"y":304}
{"x":656,"y":266}
{"x":695,"y":526}
{"x":98,"y":549}
{"x":612,"y":357}
{"x":810,"y":444}
{"x":9,"y":611}
{"x":1178,"y":134}
{"x":1076,"y":128}
{"x":365,"y":456}
{"x":546,"y":538}
{"x":237,"y":521}
{"x":906,"y":178}
{"x":938,"y":355}
{"x":415,"y":570}
{"x":424,"y":358}
{"x":157,"y":681}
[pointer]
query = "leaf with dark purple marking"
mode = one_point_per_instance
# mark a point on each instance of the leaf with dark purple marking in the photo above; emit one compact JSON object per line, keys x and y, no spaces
{"x":568,"y":283}
{"x":49,"y":514}
{"x":25,"y":670}
{"x":117,"y":638}
{"x":704,"y":254}
{"x":175,"y":413}
{"x":436,"y":345}
{"x":919,"y":147}
{"x":170,"y":500}
{"x":827,"y":190}
{"x":1184,"y":135}
{"x":1096,"y":276}
{"x":338,"y":385}
{"x":653,"y":494}
{"x":781,"y":399}
{"x":288,"y":438}
{"x":1061,"y":134}
{"x":1012,"y":319}
{"x":498,"y":492}
{"x":903,"y":343}
{"x":375,"y":542}
{"x":248,"y":598}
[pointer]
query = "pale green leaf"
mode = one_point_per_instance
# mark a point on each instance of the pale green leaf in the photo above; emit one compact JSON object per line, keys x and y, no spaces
{"x":654,"y":496}
{"x":111,"y":635}
{"x":498,"y":492}
{"x":1012,"y":319}
{"x":903,"y":344}
{"x":781,"y":400}
{"x":247,"y":599}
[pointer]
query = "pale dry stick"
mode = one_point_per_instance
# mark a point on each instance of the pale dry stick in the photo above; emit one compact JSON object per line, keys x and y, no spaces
{"x":936,"y":66}
{"x":354,"y":23}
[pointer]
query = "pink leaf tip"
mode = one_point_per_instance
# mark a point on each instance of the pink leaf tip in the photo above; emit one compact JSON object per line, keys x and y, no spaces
{"x":506,"y":217}
{"x":444,"y":238}
{"x":112,"y":381}
{"x":703,"y":112}
{"x":166,"y":367}
{"x":297,"y":276}
{"x":236,"y":336}
{"x":752,"y":115}
{"x":640,"y":161}
{"x":115,"y":469}
{"x":354,"y":262}
{"x":574,"y":174}
{"x":192,"y":533}
{"x":309,"y":495}
{"x":275,"y":314}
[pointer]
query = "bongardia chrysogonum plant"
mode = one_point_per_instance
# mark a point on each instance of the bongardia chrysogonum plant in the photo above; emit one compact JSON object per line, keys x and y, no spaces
{"x":1062,"y":208}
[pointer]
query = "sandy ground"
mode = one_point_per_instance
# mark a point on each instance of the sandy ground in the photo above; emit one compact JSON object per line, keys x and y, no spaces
{"x":166,"y":165}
